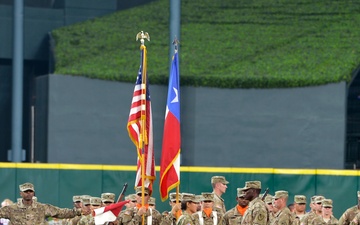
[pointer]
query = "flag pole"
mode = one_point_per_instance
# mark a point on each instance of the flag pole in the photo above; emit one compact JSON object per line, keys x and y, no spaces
{"x":176,"y":43}
{"x":143,"y":136}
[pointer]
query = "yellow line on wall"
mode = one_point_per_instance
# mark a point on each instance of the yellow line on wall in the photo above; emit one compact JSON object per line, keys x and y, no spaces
{"x":183,"y":169}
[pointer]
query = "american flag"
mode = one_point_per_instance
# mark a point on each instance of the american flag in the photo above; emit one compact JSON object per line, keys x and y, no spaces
{"x":140,"y":127}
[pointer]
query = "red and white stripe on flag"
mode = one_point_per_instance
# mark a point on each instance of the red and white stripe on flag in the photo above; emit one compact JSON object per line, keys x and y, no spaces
{"x":108,"y":213}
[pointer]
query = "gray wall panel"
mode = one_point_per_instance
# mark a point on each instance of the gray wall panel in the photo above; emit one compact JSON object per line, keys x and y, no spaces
{"x":281,"y":128}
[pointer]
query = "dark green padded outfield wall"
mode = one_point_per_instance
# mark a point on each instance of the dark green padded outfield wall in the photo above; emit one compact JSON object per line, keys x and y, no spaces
{"x":57,"y":183}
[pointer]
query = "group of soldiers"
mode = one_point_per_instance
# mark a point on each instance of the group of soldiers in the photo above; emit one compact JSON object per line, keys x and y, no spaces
{"x":185,"y":208}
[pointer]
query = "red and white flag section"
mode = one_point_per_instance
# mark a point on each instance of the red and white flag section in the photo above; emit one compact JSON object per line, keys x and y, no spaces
{"x":108,"y":213}
{"x":140,"y":126}
{"x":170,"y":156}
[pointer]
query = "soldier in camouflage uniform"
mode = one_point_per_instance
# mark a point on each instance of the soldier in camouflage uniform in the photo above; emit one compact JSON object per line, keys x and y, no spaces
{"x":134,"y":215}
{"x":28,"y":211}
{"x":219,"y":185}
{"x":131,"y":204}
{"x":283,"y":216}
{"x":300,"y":206}
{"x":315,"y":205}
{"x":171,"y":217}
{"x":95,"y":203}
{"x":234,"y":215}
{"x":85,"y":205}
{"x":269,"y":205}
{"x":181,"y":213}
{"x":326,"y":217}
{"x":350,"y":213}
{"x":257,"y":213}
{"x":208,"y":216}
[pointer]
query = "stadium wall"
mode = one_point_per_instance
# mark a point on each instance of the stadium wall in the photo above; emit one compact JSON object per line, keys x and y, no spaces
{"x":82,"y":120}
{"x":57,"y":183}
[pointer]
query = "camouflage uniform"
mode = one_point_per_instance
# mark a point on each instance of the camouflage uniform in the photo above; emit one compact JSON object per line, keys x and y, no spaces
{"x":308,"y":218}
{"x":86,"y":220}
{"x":356,"y":220}
{"x":198,"y":217}
{"x":233,"y":217}
{"x":256,"y":214}
{"x":283,"y":217}
{"x":168,"y":219}
{"x":35,"y":213}
{"x":318,"y":220}
{"x":349,"y":215}
{"x":74,"y":221}
{"x":219,"y":204}
{"x":130,"y":217}
{"x":185,"y":219}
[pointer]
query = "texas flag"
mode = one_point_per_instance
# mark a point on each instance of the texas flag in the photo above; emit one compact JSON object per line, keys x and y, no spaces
{"x":108,"y":213}
{"x":170,"y":156}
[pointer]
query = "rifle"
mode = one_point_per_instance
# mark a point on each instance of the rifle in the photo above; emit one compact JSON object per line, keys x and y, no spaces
{"x":265,"y":193}
{"x":122,"y":193}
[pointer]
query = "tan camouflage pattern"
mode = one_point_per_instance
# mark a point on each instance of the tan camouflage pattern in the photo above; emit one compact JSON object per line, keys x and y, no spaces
{"x":318,"y":220}
{"x":232,"y":217}
{"x":283,"y":217}
{"x":129,"y":217}
{"x":168,"y":219}
{"x":86,"y":220}
{"x":256,"y":214}
{"x":185,"y":219}
{"x":307,"y":218}
{"x":219,"y":204}
{"x":348,"y":215}
{"x":356,"y":220}
{"x":19,"y":214}
{"x":208,"y":220}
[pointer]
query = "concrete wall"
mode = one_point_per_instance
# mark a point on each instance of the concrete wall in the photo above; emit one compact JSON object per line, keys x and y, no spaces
{"x":277,"y":128}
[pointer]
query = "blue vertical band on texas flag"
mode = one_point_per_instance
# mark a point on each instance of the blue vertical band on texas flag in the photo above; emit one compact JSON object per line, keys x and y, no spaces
{"x":173,"y":102}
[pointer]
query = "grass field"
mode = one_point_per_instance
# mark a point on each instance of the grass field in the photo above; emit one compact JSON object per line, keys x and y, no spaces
{"x":224,"y":43}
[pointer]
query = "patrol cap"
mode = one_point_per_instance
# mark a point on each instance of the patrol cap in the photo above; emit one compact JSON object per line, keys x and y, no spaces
{"x":131,"y":197}
{"x":280,"y":194}
{"x":187,"y":197}
{"x":151,"y":201}
{"x":108,"y":197}
{"x":252,"y":184}
{"x":313,"y":199}
{"x":198,"y":198}
{"x":138,"y":190}
{"x":300,"y":199}
{"x":26,"y":187}
{"x":95,"y":201}
{"x":240,"y":192}
{"x":268,"y":199}
{"x":76,"y":198}
{"x":319,"y":199}
{"x":173,"y":197}
{"x":207,"y":196}
{"x":327,"y":203}
{"x":217,"y":179}
{"x":85,"y":199}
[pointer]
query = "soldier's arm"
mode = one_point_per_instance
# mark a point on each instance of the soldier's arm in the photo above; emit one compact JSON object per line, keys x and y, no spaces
{"x":343,"y":219}
{"x":355,"y":221}
{"x":5,"y":212}
{"x":60,"y":213}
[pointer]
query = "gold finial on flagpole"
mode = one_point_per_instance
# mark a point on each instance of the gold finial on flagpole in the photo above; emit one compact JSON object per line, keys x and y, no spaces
{"x":142,"y":36}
